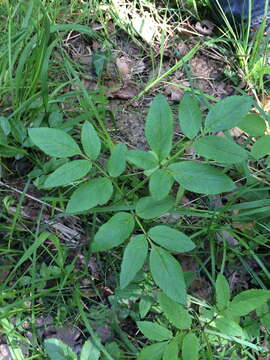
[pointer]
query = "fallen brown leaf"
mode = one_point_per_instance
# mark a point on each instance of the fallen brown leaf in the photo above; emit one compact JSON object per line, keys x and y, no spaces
{"x":127,"y":91}
{"x":124,"y":67}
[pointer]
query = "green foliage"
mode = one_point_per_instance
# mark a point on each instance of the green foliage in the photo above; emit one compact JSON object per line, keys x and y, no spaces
{"x":99,"y":61}
{"x":261,"y":147}
{"x":190,"y":116}
{"x":228,"y":113}
{"x":190,"y":347}
{"x":177,"y":315}
{"x":90,"y":141}
{"x":154,"y":331}
{"x":154,"y":351}
{"x":171,"y":351}
{"x":222,"y":292}
{"x":133,"y":259}
{"x":220,"y":149}
{"x":91,"y":193}
{"x":54,"y":142}
{"x":171,"y":239}
{"x":89,"y":351}
{"x":68,"y":173}
{"x":57,"y":350}
{"x":159,"y":127}
{"x":149,"y":208}
{"x":211,"y":180}
{"x":253,"y":124}
{"x":160,"y":184}
{"x":142,"y":159}
{"x":129,"y":211}
{"x":114,"y":232}
{"x":247,"y":301}
{"x":167,"y":272}
{"x":117,"y":161}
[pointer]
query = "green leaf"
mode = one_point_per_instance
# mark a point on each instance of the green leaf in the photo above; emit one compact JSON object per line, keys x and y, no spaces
{"x":220,"y":149}
{"x":148,"y":208}
{"x":11,"y":151}
{"x":57,"y":350}
{"x":5,"y":125}
{"x":145,"y":305}
{"x":134,"y":257}
{"x":3,"y":137}
{"x":253,"y":124}
{"x":114,"y":350}
{"x":159,"y":127}
{"x":117,"y":161}
{"x":174,"y":312}
{"x":247,"y":301}
{"x":171,"y":351}
{"x":168,"y":274}
{"x":171,"y":239}
{"x":189,"y":116}
{"x":190,"y":347}
{"x":89,"y":351}
{"x":90,"y":194}
{"x":227,"y":113}
{"x":99,"y":61}
{"x":153,"y":352}
{"x":261,"y":147}
{"x":68,"y":173}
{"x":160,"y":184}
{"x":154,"y":331}
{"x":201,"y":178}
{"x":142,"y":159}
{"x":114,"y":232}
{"x":228,"y":326}
{"x":55,"y":119}
{"x":90,"y":141}
{"x":54,"y":142}
{"x":222,"y":292}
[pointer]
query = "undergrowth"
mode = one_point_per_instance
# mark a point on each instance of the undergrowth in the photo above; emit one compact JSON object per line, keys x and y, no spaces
{"x":114,"y":252}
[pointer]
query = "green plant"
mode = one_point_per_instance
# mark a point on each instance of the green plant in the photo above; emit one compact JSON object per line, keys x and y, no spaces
{"x":57,"y":350}
{"x":96,"y":185}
